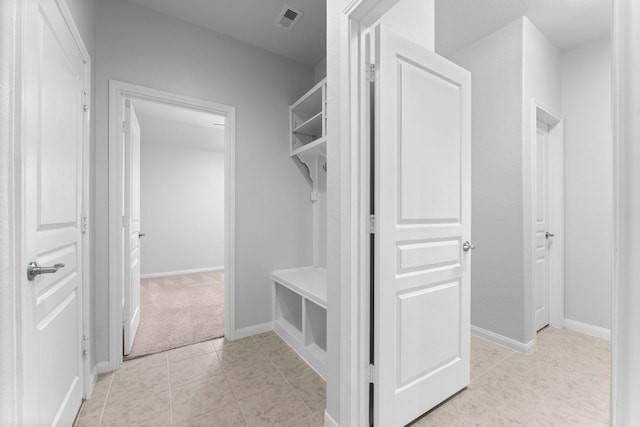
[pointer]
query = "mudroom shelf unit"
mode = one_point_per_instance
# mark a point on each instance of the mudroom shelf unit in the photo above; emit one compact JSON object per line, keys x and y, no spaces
{"x":300,"y":294}
{"x":300,"y":312}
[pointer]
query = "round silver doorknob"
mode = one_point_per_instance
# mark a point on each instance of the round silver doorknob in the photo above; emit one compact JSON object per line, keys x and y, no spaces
{"x":466,"y":246}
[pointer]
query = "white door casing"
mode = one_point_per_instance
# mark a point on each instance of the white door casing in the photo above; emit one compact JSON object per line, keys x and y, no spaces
{"x":422,"y":188}
{"x":543,"y":241}
{"x":53,"y":134}
{"x":131,"y":226}
{"x":118,"y":92}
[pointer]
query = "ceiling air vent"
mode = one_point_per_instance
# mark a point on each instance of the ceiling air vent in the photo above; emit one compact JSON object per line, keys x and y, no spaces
{"x":288,"y":17}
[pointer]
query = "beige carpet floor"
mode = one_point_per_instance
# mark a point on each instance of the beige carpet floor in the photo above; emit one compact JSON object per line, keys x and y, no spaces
{"x":179,"y":310}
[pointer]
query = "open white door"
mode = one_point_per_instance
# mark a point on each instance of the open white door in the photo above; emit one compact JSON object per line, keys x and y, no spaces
{"x":542,"y":271}
{"x":131,"y":227}
{"x":51,"y":286}
{"x":422,"y":203}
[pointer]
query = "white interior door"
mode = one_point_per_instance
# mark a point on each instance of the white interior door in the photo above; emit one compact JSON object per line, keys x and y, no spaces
{"x":51,"y":347}
{"x":422,"y":202}
{"x":543,"y":236}
{"x":131,"y":226}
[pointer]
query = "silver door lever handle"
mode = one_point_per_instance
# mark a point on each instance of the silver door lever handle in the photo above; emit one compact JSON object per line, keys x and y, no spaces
{"x":142,"y":234}
{"x":547,"y":235}
{"x":33,"y":269}
{"x":466,"y":246}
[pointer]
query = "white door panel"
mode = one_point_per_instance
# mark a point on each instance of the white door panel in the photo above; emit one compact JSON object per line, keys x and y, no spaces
{"x":422,"y":187}
{"x":542,"y":271}
{"x":52,"y":303}
{"x":131,"y":291}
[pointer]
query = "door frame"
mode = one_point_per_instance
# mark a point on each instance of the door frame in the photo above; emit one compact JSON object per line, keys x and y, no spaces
{"x":555,"y":174}
{"x":351,"y":322}
{"x":12,"y":199}
{"x":118,"y":91}
{"x":351,"y":305}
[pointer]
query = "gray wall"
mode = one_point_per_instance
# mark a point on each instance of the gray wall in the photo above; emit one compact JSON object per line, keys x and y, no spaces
{"x":509,"y":68}
{"x":273,"y":218}
{"x":181,"y":200}
{"x":586,"y":97}
{"x":496,"y":66}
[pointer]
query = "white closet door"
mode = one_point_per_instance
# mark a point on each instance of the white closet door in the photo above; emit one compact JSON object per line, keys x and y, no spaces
{"x":422,"y":189}
{"x":51,"y":310}
{"x":131,"y":292}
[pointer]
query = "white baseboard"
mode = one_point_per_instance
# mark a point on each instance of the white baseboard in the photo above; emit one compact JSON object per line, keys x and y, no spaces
{"x":103,"y":367}
{"x":507,"y":342}
{"x":93,"y":379}
{"x":328,"y":421}
{"x":181,"y":272}
{"x":587,"y":329}
{"x":253,"y":330}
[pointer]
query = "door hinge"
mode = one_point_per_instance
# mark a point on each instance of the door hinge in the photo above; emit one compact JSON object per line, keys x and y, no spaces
{"x":85,"y":100}
{"x":85,"y":344}
{"x":85,"y":224}
{"x":372,"y":224}
{"x":371,"y":374}
{"x":371,"y":72}
{"x":126,"y":126}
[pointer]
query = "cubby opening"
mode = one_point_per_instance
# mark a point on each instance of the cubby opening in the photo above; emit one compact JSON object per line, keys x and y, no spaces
{"x":316,"y":326}
{"x":289,"y":307}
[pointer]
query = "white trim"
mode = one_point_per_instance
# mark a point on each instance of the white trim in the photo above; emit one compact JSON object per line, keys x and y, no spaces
{"x":253,"y":330}
{"x":520,"y":347}
{"x":88,"y":384}
{"x":117,"y":92}
{"x":348,"y":280}
{"x":540,"y":112}
{"x":625,"y":374}
{"x":93,"y":379}
{"x":181,"y":272}
{"x":10,"y":89}
{"x":587,"y":329}
{"x":328,"y":421}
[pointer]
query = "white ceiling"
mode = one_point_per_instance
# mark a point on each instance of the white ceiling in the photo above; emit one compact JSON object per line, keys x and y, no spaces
{"x":252,"y":21}
{"x":164,"y":124}
{"x":566,"y":23}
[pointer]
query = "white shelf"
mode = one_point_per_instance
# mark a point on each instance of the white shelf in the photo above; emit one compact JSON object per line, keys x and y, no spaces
{"x":308,"y":118}
{"x":311,"y":128}
{"x":318,"y":147}
{"x":311,"y":282}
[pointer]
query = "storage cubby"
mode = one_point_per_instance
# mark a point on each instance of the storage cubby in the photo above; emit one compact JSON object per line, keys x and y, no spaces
{"x":301,"y":293}
{"x":316,"y":326}
{"x":289,"y":308}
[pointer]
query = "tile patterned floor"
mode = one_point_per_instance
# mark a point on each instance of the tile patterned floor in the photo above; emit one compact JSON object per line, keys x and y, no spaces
{"x":259,"y":381}
{"x":255,"y":381}
{"x":565,"y":382}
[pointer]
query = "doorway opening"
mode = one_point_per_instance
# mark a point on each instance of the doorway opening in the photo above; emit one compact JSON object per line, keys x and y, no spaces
{"x":171,"y":222}
{"x":548,"y":215}
{"x":176,"y":294}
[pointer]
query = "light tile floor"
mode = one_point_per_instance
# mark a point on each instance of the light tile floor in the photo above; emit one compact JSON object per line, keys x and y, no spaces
{"x":259,"y":381}
{"x":565,"y":382}
{"x":255,"y":381}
